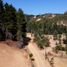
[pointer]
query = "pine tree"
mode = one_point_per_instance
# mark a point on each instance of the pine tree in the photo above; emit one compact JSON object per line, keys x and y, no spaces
{"x":1,"y":11}
{"x":2,"y":33}
{"x":10,"y":19}
{"x":21,"y":26}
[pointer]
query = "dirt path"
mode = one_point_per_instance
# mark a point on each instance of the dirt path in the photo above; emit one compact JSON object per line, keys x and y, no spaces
{"x":39,"y":58}
{"x":60,"y":62}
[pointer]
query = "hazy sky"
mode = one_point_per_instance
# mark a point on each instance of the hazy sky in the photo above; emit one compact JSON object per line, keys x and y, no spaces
{"x":40,"y":6}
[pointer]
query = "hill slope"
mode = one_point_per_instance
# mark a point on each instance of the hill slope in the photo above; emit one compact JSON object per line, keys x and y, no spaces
{"x":11,"y":57}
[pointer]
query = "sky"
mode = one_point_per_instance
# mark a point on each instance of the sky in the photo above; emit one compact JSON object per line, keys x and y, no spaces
{"x":39,"y":6}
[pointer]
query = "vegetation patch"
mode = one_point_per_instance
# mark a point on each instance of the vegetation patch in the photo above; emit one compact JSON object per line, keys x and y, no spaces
{"x":42,"y":42}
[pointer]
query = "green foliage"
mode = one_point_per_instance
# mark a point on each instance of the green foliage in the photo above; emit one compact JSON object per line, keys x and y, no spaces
{"x":42,"y":42}
{"x":65,"y":42}
{"x":1,"y":12}
{"x":10,"y":18}
{"x":48,"y":26}
{"x":31,"y":55}
{"x":21,"y":24}
{"x":60,"y":47}
{"x":11,"y":22}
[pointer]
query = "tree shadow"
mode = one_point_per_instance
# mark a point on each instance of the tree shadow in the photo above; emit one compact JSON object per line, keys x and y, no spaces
{"x":26,"y":41}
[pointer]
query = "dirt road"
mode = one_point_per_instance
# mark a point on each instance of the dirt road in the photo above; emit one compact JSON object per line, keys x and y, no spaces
{"x":39,"y":58}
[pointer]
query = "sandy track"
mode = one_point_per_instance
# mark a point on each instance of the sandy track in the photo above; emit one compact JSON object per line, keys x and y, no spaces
{"x":10,"y":57}
{"x":39,"y":58}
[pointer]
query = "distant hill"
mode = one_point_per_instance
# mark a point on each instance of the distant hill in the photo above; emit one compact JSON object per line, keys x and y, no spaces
{"x":60,"y":18}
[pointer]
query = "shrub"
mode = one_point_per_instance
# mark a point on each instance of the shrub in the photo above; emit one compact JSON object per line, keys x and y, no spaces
{"x":60,"y":47}
{"x":31,"y":55}
{"x":42,"y":42}
{"x":32,"y":59}
{"x":64,"y":41}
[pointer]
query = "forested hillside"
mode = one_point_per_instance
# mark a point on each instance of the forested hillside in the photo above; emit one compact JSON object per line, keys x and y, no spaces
{"x":48,"y":24}
{"x":51,"y":23}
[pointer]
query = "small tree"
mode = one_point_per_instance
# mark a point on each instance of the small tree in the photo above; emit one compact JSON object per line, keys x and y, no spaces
{"x":42,"y":42}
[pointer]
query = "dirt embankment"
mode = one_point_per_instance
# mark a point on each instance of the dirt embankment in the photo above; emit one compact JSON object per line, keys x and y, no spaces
{"x":12,"y":57}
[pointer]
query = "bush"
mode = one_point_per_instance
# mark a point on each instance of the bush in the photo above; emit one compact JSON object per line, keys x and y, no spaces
{"x":59,"y":47}
{"x":42,"y":42}
{"x":64,"y":41}
{"x":31,"y":55}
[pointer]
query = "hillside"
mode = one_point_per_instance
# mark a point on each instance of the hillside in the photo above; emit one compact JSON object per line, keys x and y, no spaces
{"x":13,"y":57}
{"x":39,"y":55}
{"x":56,"y":17}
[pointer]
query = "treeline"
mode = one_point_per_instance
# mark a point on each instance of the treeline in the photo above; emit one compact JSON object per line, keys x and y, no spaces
{"x":46,"y":26}
{"x":12,"y":23}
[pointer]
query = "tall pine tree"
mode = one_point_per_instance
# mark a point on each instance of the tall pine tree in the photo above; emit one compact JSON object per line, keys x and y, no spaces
{"x":2,"y":34}
{"x":21,"y":26}
{"x":10,"y":19}
{"x":1,"y":11}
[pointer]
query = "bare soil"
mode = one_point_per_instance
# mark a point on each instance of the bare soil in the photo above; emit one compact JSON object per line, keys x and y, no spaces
{"x":13,"y":57}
